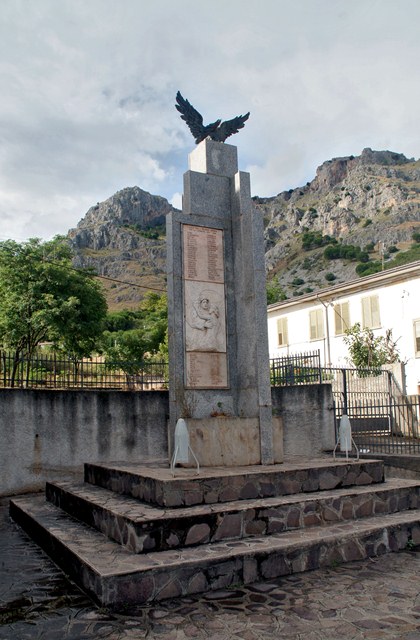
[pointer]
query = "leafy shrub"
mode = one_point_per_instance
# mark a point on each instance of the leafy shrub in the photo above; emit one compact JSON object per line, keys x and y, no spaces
{"x":275,"y":292}
{"x":367,"y":222}
{"x":332,"y":252}
{"x":330,"y":276}
{"x":367,"y":350}
{"x":364,"y":256}
{"x":345,"y":252}
{"x":296,"y":282}
{"x":315,"y":239}
{"x":404,"y":257}
{"x":368,"y":268}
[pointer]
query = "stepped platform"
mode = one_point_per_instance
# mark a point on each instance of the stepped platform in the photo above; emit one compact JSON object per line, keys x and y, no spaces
{"x":142,"y":527}
{"x":123,"y":549}
{"x":224,"y":484}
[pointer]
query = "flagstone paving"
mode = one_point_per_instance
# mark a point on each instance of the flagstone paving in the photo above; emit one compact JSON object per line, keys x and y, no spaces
{"x":378,"y":598}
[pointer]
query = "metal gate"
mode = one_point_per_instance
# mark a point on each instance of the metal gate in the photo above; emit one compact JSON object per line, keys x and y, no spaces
{"x":382,"y":418}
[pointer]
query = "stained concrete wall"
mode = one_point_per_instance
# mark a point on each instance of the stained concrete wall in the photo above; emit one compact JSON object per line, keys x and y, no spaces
{"x":50,"y":434}
{"x":307,"y":414}
{"x":47,"y":435}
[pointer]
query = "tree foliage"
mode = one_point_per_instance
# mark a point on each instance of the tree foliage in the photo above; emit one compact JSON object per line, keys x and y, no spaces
{"x":43,"y":298}
{"x":368,"y":351}
{"x":345,"y":252}
{"x":147,"y":336}
{"x":315,"y":239}
{"x":275,"y":292}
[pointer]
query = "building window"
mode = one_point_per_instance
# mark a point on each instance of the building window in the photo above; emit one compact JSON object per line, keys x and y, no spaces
{"x":316,"y":324}
{"x":370,"y":313}
{"x":417,"y":336}
{"x":282,"y":334}
{"x":341,"y":317}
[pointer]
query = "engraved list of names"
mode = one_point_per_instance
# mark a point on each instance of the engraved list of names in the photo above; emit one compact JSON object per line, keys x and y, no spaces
{"x":204,"y":308}
{"x":203,"y":254}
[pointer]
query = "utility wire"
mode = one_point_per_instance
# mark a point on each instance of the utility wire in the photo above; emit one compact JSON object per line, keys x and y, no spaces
{"x":131,"y":284}
{"x":96,"y":275}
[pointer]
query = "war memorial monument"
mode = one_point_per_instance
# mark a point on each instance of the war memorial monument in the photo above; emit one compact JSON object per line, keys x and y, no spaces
{"x":218,"y":345}
{"x":134,"y":533}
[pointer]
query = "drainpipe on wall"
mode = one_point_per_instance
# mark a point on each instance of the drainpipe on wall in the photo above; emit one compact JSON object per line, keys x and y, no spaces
{"x":327,"y":326}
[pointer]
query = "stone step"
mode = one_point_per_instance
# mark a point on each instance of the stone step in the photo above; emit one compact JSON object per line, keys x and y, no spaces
{"x":142,"y":527}
{"x":116,"y":577}
{"x":222,"y":484}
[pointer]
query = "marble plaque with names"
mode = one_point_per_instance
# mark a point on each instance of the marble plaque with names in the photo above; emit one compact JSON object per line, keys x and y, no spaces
{"x":206,"y":370}
{"x":204,"y":308}
{"x":203,"y":254}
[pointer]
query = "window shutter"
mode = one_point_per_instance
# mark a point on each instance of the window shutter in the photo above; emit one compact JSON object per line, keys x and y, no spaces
{"x":283,"y":338}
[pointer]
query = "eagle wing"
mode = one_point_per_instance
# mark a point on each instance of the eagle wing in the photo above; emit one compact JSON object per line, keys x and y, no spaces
{"x":229,"y":127}
{"x":194,"y":119}
{"x":191,"y":116}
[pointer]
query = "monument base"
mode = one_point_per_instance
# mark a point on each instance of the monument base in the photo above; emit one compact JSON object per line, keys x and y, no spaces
{"x":225,"y":441}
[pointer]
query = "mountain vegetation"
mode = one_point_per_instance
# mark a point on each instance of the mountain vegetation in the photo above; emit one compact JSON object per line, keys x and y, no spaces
{"x":123,"y":240}
{"x":357,"y":216}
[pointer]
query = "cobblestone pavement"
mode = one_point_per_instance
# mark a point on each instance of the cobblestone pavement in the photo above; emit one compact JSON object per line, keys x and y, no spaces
{"x":377,"y":598}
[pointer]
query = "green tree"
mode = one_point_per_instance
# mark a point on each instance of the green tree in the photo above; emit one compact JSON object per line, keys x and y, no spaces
{"x":127,"y":350}
{"x":368,"y":351}
{"x":330,"y":276}
{"x":43,"y":298}
{"x":274,"y":292}
{"x":120,"y":320}
{"x":153,"y":320}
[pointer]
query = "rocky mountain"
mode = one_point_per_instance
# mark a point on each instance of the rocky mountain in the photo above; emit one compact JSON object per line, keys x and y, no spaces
{"x":371,"y":202}
{"x":123,"y":239}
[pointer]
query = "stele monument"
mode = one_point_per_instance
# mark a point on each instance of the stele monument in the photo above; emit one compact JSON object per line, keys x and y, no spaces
{"x":219,"y":379}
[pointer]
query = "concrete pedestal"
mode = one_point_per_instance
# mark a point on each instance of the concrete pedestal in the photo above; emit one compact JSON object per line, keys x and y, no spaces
{"x":218,"y":346}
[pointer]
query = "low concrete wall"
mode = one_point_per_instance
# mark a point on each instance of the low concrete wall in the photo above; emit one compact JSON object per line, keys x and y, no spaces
{"x":46,"y":435}
{"x":50,"y":434}
{"x":308,"y":418}
{"x":398,"y":465}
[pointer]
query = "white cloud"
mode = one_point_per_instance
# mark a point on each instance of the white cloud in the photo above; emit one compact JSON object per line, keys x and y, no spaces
{"x":88,"y":93}
{"x":176,"y":200}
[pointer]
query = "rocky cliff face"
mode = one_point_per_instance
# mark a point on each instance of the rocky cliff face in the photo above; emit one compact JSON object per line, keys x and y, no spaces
{"x":372,"y":198}
{"x":123,"y":238}
{"x":369,"y":199}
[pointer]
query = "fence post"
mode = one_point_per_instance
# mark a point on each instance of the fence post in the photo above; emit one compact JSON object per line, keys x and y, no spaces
{"x":345,"y":407}
{"x":319,"y":366}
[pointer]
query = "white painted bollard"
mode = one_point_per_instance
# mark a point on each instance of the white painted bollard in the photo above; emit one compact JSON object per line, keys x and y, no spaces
{"x":344,"y":434}
{"x":345,"y":438}
{"x":182,"y":446}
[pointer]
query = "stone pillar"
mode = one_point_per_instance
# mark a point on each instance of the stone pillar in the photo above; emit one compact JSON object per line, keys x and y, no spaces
{"x":218,"y":344}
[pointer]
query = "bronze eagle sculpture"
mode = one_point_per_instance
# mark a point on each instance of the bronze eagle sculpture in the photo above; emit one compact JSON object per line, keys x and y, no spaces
{"x":217,"y":131}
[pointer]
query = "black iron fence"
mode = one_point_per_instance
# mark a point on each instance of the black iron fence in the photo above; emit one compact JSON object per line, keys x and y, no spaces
{"x":383,"y":419}
{"x":302,"y":368}
{"x":52,"y":371}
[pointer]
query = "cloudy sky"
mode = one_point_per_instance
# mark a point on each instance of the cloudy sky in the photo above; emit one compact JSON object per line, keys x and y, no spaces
{"x":88,"y":90}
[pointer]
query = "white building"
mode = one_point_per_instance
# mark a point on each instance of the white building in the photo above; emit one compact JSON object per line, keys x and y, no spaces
{"x":317,"y":321}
